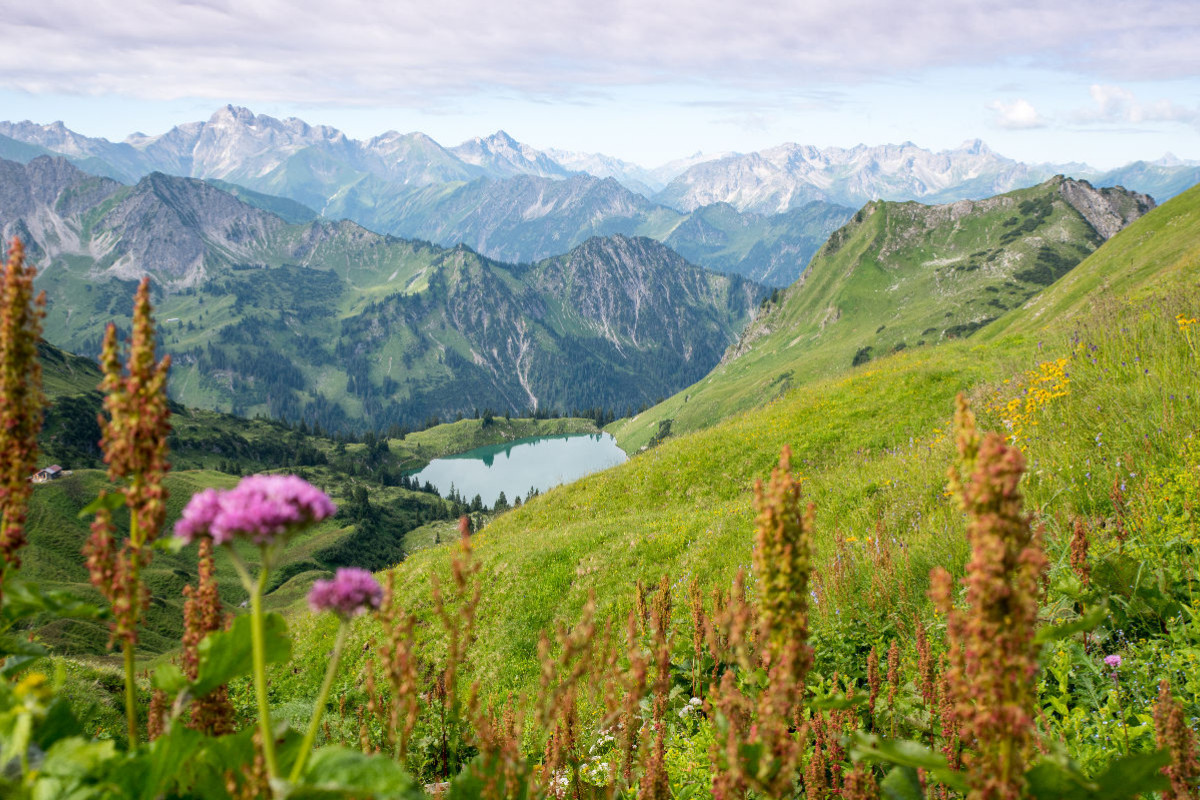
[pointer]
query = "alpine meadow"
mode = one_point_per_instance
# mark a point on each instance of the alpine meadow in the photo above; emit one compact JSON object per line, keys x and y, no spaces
{"x":339,"y":463}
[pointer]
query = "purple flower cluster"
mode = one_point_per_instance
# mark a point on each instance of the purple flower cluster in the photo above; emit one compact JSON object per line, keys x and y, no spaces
{"x":1113,"y":661}
{"x":351,"y":592}
{"x":262,"y":508}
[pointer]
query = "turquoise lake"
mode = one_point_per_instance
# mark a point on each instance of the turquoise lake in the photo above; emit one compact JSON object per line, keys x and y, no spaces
{"x":541,"y":463}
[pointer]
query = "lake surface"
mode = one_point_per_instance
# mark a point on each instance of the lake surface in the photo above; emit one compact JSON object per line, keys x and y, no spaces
{"x":541,"y":462}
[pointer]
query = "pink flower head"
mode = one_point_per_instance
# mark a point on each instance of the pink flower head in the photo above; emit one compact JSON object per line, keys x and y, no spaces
{"x":351,"y":592}
{"x":198,"y":515}
{"x":262,"y":508}
{"x":1113,"y":661}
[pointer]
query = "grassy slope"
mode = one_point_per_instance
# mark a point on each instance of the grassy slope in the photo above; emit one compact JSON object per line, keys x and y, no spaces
{"x":873,"y":448}
{"x":900,"y":275}
{"x":202,"y":441}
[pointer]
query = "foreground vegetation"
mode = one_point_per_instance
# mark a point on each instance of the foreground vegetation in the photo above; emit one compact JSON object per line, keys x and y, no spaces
{"x":785,"y":652}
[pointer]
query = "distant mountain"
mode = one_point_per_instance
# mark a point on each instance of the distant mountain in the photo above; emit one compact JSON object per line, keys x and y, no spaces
{"x":332,"y":323}
{"x":526,"y":218}
{"x":788,"y":176}
{"x":512,"y":202}
{"x":500,"y":155}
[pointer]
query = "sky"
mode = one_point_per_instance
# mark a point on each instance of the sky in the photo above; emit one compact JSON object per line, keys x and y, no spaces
{"x":1104,"y":82}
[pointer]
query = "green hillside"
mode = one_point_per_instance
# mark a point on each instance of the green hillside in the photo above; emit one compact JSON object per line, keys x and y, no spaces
{"x":898,"y":276}
{"x":872,"y":447}
{"x":209,"y":449}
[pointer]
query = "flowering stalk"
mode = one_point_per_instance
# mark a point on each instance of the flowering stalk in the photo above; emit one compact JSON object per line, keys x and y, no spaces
{"x":1172,"y":734}
{"x":202,"y":615}
{"x":350,"y":593}
{"x":266,"y":510}
{"x":21,"y":400}
{"x":135,"y":448}
{"x":992,"y":653}
{"x":1114,"y":661}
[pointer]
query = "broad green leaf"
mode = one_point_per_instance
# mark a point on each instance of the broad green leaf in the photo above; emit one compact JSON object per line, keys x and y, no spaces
{"x":225,"y":655}
{"x":58,"y":724}
{"x":1134,"y":775}
{"x":902,"y":783}
{"x":1085,"y":623}
{"x":335,"y":772}
{"x":904,"y":753}
{"x":107,"y":500}
{"x":170,"y":679}
{"x":1056,"y":777}
{"x":19,"y":646}
{"x":836,"y":702}
{"x":23,"y":599}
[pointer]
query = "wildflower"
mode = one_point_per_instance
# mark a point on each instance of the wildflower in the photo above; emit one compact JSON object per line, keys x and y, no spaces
{"x":21,"y":400}
{"x":1113,"y":661}
{"x":351,"y":592}
{"x":266,"y":509}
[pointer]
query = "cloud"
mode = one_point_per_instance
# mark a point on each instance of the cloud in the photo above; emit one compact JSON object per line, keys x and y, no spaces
{"x":1017,"y":115}
{"x":1116,"y":105}
{"x":364,"y":52}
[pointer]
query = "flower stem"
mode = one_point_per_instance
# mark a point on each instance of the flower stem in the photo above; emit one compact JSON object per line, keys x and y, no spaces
{"x":258,"y":641}
{"x":130,"y":694}
{"x":322,"y":698}
{"x":128,"y":643}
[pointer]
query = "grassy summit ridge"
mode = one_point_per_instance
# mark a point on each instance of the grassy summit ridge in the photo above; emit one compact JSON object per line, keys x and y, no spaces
{"x":900,"y":276}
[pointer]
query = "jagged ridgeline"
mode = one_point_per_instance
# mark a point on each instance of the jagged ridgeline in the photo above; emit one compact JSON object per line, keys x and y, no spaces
{"x":901,"y":276}
{"x":328,"y":322}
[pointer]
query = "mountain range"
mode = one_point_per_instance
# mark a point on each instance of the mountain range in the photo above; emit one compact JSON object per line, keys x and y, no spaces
{"x":332,"y":323}
{"x":512,"y":202}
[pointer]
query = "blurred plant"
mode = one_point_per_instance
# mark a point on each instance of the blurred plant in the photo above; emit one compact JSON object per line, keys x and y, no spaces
{"x":135,"y":428}
{"x":21,"y":401}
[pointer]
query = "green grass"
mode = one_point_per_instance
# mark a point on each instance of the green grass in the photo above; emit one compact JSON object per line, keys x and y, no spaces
{"x":872,"y":445}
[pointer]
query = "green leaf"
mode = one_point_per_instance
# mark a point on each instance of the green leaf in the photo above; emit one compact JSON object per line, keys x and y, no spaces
{"x":904,"y":753}
{"x":170,"y":679}
{"x":902,"y":783}
{"x":1057,"y":777}
{"x":335,"y":772}
{"x":23,"y":599}
{"x":836,"y":702}
{"x":58,"y":724}
{"x":170,"y":544}
{"x":1134,"y":775}
{"x":19,"y":646}
{"x":1085,"y":623}
{"x":225,"y":655}
{"x":106,"y":500}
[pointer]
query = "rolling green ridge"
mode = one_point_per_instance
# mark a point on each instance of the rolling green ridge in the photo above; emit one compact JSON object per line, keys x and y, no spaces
{"x":898,"y":276}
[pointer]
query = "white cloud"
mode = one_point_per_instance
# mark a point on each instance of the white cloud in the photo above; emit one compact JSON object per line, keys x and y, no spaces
{"x":359,"y":52}
{"x":1016,"y":115}
{"x":1114,"y":104}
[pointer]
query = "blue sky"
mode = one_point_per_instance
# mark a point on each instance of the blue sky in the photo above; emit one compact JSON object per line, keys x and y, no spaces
{"x":1100,"y":81}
